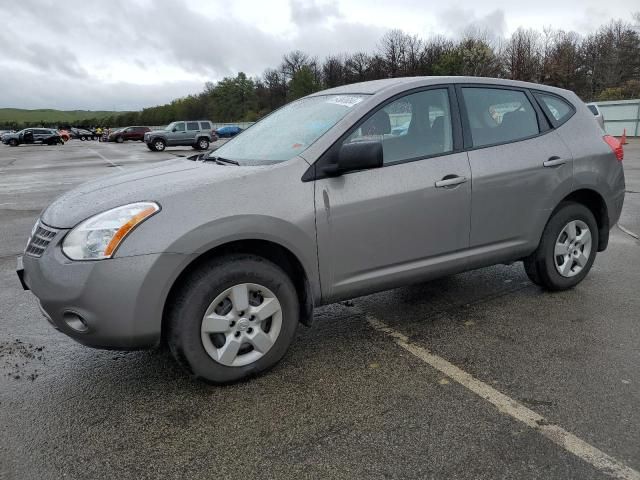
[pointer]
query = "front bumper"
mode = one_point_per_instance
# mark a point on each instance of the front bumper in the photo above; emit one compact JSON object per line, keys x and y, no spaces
{"x":120,"y":300}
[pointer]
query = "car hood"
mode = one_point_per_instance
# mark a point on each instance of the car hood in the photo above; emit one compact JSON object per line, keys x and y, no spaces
{"x":151,"y":183}
{"x":155,"y":132}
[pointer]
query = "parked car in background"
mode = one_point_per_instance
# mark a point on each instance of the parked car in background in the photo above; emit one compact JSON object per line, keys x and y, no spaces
{"x":128,"y":133}
{"x":597,"y":113}
{"x":45,"y":136}
{"x":82,"y":134}
{"x":194,"y":133}
{"x":228,"y":131}
{"x":5,"y":132}
{"x":225,"y":263}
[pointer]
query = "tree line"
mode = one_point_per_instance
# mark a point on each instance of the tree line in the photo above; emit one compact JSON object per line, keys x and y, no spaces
{"x":604,"y":65}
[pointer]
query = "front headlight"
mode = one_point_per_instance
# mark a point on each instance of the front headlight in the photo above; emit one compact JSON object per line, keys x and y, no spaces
{"x":99,"y":236}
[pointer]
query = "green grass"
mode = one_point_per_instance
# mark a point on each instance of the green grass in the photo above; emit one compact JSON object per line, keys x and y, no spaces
{"x":19,"y":115}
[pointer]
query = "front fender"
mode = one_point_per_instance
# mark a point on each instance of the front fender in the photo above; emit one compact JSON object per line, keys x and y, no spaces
{"x":222,"y":231}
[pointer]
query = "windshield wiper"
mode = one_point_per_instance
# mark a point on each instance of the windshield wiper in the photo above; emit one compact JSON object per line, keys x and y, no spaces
{"x":221,"y":161}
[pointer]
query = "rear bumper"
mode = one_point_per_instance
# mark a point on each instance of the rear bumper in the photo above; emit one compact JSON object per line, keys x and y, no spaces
{"x":120,"y":301}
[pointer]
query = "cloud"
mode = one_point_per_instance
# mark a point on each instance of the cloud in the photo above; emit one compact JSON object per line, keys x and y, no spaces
{"x":22,"y":89}
{"x":459,"y":22}
{"x":305,"y":13}
{"x":132,"y":53}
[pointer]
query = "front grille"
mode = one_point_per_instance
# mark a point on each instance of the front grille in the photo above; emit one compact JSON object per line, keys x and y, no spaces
{"x":40,"y":240}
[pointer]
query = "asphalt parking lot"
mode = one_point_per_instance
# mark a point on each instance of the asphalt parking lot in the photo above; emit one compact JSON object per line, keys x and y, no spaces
{"x":401,"y":384}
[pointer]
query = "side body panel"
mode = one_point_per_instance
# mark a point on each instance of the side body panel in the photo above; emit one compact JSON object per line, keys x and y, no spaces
{"x":595,"y":166}
{"x":382,"y":228}
{"x":514,"y":195}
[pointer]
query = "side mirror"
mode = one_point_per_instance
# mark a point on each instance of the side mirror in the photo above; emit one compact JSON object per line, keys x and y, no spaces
{"x":174,"y":129}
{"x":356,"y":156}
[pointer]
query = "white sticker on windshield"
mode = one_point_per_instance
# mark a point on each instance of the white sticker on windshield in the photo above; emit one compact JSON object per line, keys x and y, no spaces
{"x":344,"y":100}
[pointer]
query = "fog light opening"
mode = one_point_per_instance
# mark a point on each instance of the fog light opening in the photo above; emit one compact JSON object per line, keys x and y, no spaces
{"x":75,"y":322}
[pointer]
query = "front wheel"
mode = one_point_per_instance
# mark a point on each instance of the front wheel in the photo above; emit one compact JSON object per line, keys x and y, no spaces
{"x":159,"y":145}
{"x":567,"y":249}
{"x":119,"y":140}
{"x":233,"y":318}
{"x":13,"y":142}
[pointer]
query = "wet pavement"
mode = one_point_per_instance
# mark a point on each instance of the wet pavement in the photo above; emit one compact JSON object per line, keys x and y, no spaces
{"x":347,"y":401}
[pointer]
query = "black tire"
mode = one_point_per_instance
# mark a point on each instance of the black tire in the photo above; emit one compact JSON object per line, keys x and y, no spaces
{"x":201,"y":144}
{"x":13,"y":142}
{"x":540,"y":266}
{"x":190,"y":303}
{"x":150,"y":147}
{"x":119,"y":139}
{"x":159,"y":144}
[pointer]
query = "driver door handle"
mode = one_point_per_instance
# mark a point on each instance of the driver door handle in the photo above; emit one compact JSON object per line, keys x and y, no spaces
{"x":554,"y":162}
{"x":450,"y":181}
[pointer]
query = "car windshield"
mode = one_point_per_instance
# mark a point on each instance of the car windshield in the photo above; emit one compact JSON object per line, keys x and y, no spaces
{"x":288,"y":131}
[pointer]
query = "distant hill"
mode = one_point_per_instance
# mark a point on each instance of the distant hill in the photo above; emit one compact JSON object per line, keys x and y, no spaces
{"x":20,"y":115}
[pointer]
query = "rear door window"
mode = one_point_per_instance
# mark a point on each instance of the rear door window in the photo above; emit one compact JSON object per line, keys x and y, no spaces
{"x":499,"y":116}
{"x":193,"y":126}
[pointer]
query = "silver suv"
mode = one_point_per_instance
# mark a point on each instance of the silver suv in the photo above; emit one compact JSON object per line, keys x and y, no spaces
{"x":223,"y":257}
{"x":197,"y":134}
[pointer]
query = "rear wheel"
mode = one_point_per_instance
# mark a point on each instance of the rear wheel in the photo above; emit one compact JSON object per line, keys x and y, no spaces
{"x":233,"y":318}
{"x":202,"y":144}
{"x":567,"y":250}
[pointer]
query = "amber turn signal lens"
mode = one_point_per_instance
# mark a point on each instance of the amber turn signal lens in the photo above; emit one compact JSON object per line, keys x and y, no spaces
{"x":126,"y":228}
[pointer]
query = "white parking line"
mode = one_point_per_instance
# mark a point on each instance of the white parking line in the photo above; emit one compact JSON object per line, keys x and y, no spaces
{"x":105,"y":159}
{"x":629,"y":232}
{"x":600,"y":460}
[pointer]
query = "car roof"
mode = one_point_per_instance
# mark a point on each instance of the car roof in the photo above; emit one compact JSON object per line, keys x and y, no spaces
{"x":374,"y":87}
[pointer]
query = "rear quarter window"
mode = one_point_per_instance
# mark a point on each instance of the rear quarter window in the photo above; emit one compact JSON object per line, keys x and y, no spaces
{"x":193,"y":126}
{"x":205,"y":125}
{"x":560,"y":109}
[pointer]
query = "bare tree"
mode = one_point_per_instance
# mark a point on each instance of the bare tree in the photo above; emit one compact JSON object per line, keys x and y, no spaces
{"x":293,"y":62}
{"x":393,"y":49}
{"x":522,"y":55}
{"x":356,"y":67}
{"x":333,"y":71}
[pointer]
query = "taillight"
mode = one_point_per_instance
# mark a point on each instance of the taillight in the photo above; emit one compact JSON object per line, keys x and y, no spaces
{"x":616,"y":146}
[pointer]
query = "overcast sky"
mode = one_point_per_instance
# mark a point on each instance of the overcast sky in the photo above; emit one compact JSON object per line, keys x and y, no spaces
{"x":129,"y":54}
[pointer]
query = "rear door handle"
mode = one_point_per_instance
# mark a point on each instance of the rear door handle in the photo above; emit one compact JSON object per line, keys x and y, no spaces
{"x":450,"y":181}
{"x":554,"y":162}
